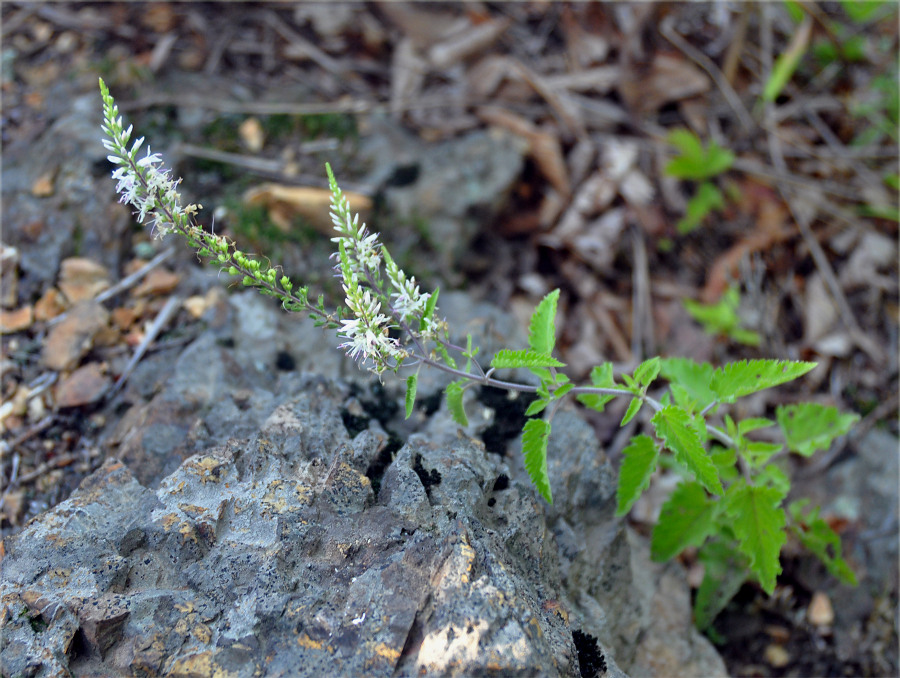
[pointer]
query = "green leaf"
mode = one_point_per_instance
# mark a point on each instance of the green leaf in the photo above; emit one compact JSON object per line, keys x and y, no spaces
{"x":454,"y":392}
{"x":694,"y":378}
{"x":817,"y":536}
{"x":686,"y":519}
{"x":412,"y":382}
{"x":536,"y":407}
{"x":744,"y":377}
{"x":707,"y":198}
{"x":535,"y":435}
{"x":722,"y":317}
{"x":634,"y":474}
{"x":633,"y":408}
{"x":646,"y":372}
{"x":541,"y":329}
{"x":758,"y":522}
{"x":809,"y":427}
{"x":506,"y":358}
{"x":601,"y":377}
{"x":787,"y":63}
{"x":757,"y":453}
{"x":430,"y":305}
{"x":676,"y":429}
{"x":861,"y":11}
{"x":695,"y":161}
{"x":725,"y":571}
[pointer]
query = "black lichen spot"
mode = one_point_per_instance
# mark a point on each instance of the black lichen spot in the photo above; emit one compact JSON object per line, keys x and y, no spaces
{"x":591,"y":661}
{"x":509,"y":417}
{"x":429,"y":478}
{"x":502,"y":483}
{"x":285,"y":362}
{"x":491,"y":502}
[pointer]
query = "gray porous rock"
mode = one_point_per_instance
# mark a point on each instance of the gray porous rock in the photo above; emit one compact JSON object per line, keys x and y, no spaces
{"x":305,"y":537}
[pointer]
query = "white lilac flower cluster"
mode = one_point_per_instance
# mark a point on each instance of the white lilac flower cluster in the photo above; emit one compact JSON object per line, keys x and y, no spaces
{"x":141,"y":182}
{"x":360,"y":257}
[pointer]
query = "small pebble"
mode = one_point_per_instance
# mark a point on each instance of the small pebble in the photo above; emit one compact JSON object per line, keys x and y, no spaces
{"x":820,"y":611}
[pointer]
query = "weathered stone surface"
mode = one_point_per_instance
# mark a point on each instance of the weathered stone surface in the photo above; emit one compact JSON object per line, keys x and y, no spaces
{"x":293,"y":526}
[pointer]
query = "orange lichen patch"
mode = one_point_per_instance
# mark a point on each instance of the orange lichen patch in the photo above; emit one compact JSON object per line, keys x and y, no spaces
{"x":209,"y":468}
{"x":390,"y":653}
{"x":304,"y":640}
{"x":169,"y":520}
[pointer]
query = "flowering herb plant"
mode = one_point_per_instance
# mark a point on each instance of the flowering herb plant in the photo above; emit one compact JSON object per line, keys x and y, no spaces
{"x":730,"y":503}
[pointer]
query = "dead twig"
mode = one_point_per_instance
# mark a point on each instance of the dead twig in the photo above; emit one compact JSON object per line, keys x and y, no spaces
{"x":171,"y":305}
{"x":124,"y":283}
{"x":803,"y":218}
{"x":667,"y":28}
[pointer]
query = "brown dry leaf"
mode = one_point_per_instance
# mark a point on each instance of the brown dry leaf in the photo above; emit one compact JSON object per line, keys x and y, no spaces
{"x":158,"y":281}
{"x":874,"y":252}
{"x":123,"y":318}
{"x":820,"y":611}
{"x":771,"y":229}
{"x":252,"y":134}
{"x":50,"y":305}
{"x":285,"y":203}
{"x":424,"y":26}
{"x":584,"y":46}
{"x":544,"y":148}
{"x":43,"y":187}
{"x":16,"y":321}
{"x":567,"y":111}
{"x":776,"y":656}
{"x":159,"y":17}
{"x":84,"y":386}
{"x":73,"y":336}
{"x":599,"y":80}
{"x":408,"y":69}
{"x":669,"y":78}
{"x":485,"y":76}
{"x":81,"y":279}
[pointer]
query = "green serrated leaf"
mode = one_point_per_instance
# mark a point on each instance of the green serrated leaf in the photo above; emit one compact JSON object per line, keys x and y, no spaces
{"x":506,"y":358}
{"x":646,"y":372}
{"x":758,"y":522}
{"x":536,"y":407}
{"x":454,"y":393}
{"x":542,"y":329}
{"x":693,"y":378}
{"x":686,"y":519}
{"x":758,"y":453}
{"x":634,"y":474}
{"x":535,"y":435}
{"x":817,"y":536}
{"x":753,"y":424}
{"x":594,"y":401}
{"x":633,"y":408}
{"x":562,"y":390}
{"x":744,"y":377}
{"x":725,"y":571}
{"x":676,"y":429}
{"x":412,"y":382}
{"x":809,"y":427}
